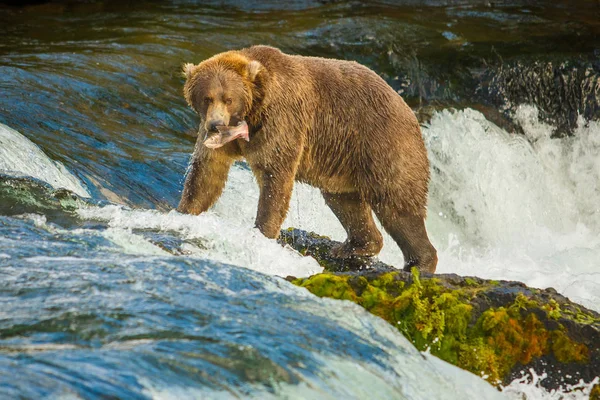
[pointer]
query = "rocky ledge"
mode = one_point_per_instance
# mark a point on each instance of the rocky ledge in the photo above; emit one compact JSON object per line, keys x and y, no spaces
{"x":496,"y":329}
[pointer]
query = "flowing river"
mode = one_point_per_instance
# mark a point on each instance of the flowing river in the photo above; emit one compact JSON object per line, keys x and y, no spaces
{"x":107,"y":292}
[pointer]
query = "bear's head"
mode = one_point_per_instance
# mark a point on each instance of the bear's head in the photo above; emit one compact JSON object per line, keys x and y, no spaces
{"x":222,"y":90}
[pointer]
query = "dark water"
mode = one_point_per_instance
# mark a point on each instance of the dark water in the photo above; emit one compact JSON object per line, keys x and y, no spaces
{"x":115,"y":303}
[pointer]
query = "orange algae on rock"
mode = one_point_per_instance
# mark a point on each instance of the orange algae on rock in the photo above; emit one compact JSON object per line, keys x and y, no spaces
{"x":512,"y":339}
{"x":567,"y":350}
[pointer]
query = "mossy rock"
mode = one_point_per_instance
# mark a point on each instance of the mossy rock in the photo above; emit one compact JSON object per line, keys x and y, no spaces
{"x":495,"y":329}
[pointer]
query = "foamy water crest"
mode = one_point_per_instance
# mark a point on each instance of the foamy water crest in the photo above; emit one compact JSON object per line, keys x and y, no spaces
{"x":19,"y":155}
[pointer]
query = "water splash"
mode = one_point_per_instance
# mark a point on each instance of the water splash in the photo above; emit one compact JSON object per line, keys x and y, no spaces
{"x":528,"y":387}
{"x":511,"y":207}
{"x":220,"y":239}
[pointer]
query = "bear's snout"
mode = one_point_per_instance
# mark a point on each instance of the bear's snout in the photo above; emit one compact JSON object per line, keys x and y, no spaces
{"x":211,"y":126}
{"x":216,"y":115}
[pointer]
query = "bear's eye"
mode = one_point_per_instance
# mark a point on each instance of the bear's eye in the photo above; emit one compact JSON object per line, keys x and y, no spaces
{"x":207,"y":100}
{"x":228,"y":101}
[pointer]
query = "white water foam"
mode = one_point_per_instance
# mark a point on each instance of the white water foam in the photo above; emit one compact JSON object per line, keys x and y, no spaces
{"x":131,"y":243}
{"x":222,"y":239}
{"x":21,"y":157}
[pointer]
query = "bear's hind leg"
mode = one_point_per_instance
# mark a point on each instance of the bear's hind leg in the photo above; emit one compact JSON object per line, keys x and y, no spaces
{"x":364,"y":239}
{"x":408,"y":231}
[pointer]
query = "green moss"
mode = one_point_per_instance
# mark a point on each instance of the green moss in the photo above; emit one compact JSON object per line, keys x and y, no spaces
{"x":480,"y":359}
{"x":552,"y":309}
{"x":577,"y":315}
{"x":385,"y":281}
{"x":432,"y":316}
{"x":471,"y":282}
{"x":522,"y":302}
{"x":328,"y":285}
{"x":441,"y":319}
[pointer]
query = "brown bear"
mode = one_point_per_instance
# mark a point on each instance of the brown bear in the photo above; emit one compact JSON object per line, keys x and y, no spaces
{"x":333,"y":124}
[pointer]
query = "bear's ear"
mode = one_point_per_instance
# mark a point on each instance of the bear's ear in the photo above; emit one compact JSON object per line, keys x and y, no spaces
{"x":188,"y":70}
{"x":254,"y":68}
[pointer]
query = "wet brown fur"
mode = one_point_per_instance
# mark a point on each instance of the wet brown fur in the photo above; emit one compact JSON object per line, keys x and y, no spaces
{"x":333,"y":124}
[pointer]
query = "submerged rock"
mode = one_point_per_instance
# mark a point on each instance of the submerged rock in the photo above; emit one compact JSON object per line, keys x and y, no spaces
{"x":495,"y":329}
{"x":26,"y":195}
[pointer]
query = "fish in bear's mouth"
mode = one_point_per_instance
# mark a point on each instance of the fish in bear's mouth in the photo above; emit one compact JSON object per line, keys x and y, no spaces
{"x":226,"y":134}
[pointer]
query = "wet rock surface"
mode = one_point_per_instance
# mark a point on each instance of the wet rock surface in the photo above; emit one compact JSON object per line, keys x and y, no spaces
{"x":562,"y":91}
{"x":318,"y":247}
{"x":495,"y":329}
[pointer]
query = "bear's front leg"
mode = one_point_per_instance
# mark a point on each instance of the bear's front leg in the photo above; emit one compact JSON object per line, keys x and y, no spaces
{"x":205,"y":180}
{"x":275,"y":193}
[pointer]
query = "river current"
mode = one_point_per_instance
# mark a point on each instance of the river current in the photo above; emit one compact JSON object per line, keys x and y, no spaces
{"x":105,"y":290}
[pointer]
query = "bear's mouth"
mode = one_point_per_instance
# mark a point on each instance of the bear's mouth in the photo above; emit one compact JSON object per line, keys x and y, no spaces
{"x":226,"y":134}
